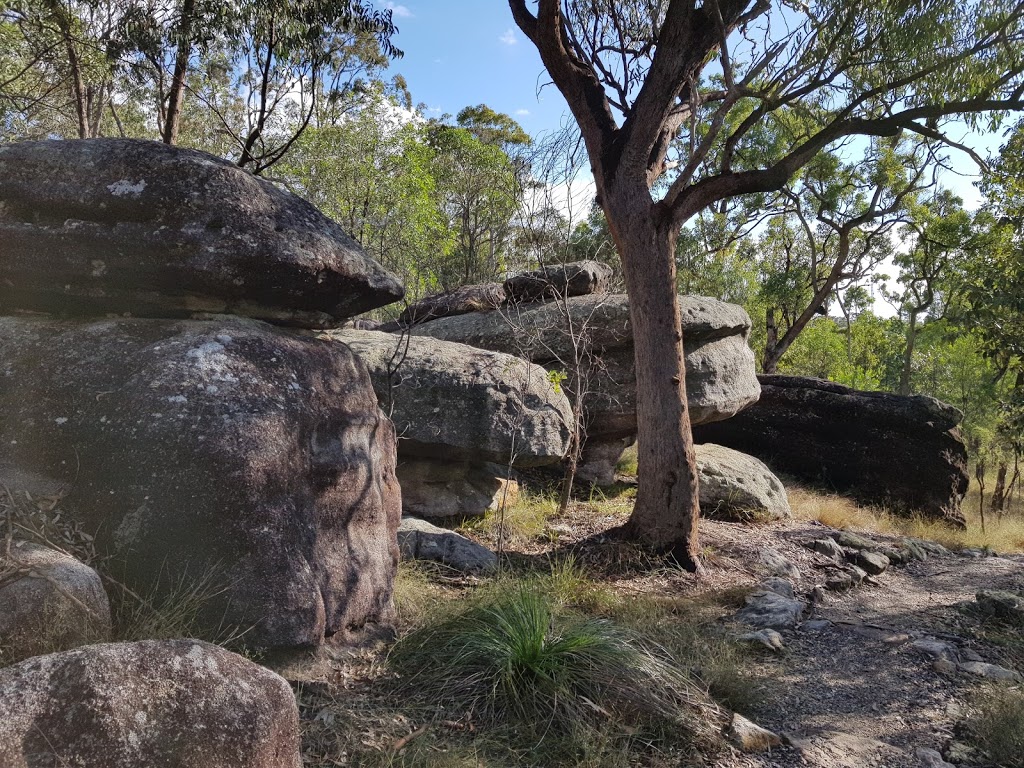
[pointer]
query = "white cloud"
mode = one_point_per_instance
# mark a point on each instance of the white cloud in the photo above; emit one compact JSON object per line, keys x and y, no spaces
{"x":398,"y":10}
{"x":522,"y":113}
{"x":509,"y":38}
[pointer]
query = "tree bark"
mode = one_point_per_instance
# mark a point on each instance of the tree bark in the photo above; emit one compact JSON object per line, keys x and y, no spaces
{"x":666,"y":510}
{"x":908,"y":354}
{"x":770,"y":361}
{"x":176,"y":96}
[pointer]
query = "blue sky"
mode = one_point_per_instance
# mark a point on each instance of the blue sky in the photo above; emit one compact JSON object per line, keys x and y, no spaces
{"x":459,"y":53}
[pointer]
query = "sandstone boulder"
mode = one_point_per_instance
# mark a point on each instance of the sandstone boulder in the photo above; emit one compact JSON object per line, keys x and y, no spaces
{"x":468,"y":298}
{"x":903,"y":452}
{"x":49,"y":601}
{"x":578,"y":278}
{"x":720,"y":378}
{"x":169,"y":704}
{"x":432,"y":488}
{"x":226,"y":447}
{"x":455,"y":403}
{"x":735,"y":486}
{"x":421,"y":540}
{"x":129,"y":226}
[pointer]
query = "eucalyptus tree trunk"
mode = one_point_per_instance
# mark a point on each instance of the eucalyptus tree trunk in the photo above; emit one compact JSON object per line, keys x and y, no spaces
{"x":667,"y":503}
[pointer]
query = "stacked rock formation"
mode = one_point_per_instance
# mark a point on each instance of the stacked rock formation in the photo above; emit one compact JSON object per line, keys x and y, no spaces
{"x":902,"y":452}
{"x":189,"y":446}
{"x":596,"y":330}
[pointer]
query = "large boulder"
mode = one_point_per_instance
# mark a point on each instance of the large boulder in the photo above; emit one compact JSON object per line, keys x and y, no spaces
{"x":734,"y":486}
{"x":227,"y":451}
{"x":455,"y":403}
{"x":129,"y":226}
{"x":903,"y":452}
{"x":49,"y":601}
{"x":720,"y":370}
{"x":169,"y":704}
{"x":559,"y":281}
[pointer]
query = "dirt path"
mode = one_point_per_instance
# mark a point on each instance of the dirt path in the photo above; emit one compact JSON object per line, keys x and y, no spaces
{"x":857,"y":692}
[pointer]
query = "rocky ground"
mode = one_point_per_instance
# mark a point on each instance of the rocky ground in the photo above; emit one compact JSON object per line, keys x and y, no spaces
{"x":871,"y":676}
{"x":868,"y":676}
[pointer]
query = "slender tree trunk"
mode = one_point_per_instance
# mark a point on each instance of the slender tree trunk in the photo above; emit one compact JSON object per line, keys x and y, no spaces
{"x":61,"y":18}
{"x":176,"y":96}
{"x":908,"y":353}
{"x":999,"y":489}
{"x":771,"y":360}
{"x":667,"y":505}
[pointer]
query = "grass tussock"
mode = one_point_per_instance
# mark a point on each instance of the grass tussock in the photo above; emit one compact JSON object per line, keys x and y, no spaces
{"x":627,"y":464}
{"x":524,"y":520}
{"x":518,"y":662}
{"x":996,"y":725}
{"x":183,"y":607}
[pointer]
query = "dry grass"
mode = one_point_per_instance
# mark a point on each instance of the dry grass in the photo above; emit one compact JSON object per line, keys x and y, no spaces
{"x":520,"y":523}
{"x":1001,"y":534}
{"x":996,"y":725}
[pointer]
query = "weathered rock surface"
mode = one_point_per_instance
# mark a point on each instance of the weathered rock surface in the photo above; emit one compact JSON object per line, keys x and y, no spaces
{"x":720,"y":378}
{"x":453,"y":402}
{"x":49,"y":602}
{"x":468,"y":298}
{"x":734,"y":486}
{"x":160,"y":704}
{"x":748,"y":736}
{"x":770,"y":610}
{"x":1001,"y":605}
{"x":432,"y":488}
{"x":559,"y":281}
{"x":777,"y":564}
{"x":872,"y":562}
{"x":129,"y":226}
{"x":228,"y":446}
{"x":420,"y":540}
{"x":857,"y":442}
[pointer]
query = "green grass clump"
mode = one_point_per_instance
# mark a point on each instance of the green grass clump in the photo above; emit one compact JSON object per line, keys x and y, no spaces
{"x":997,"y":725}
{"x":517,"y":662}
{"x":522,"y":521}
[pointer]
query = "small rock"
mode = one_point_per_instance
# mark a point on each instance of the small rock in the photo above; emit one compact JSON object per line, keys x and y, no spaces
{"x":751,"y":737}
{"x":931,"y":759}
{"x":872,"y":562}
{"x":771,"y":610}
{"x":839,"y":581}
{"x":779,"y":586}
{"x":976,"y":553}
{"x":51,"y":602}
{"x":852,"y":540}
{"x":999,"y":604}
{"x":769,"y":638}
{"x":991,"y":671}
{"x":931,"y":547}
{"x":420,"y":540}
{"x":816,"y":625}
{"x":962,"y":754}
{"x":912,"y":550}
{"x":938,"y":649}
{"x":968,"y":655}
{"x":944,"y":666}
{"x":828,"y":548}
{"x":777,"y":564}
